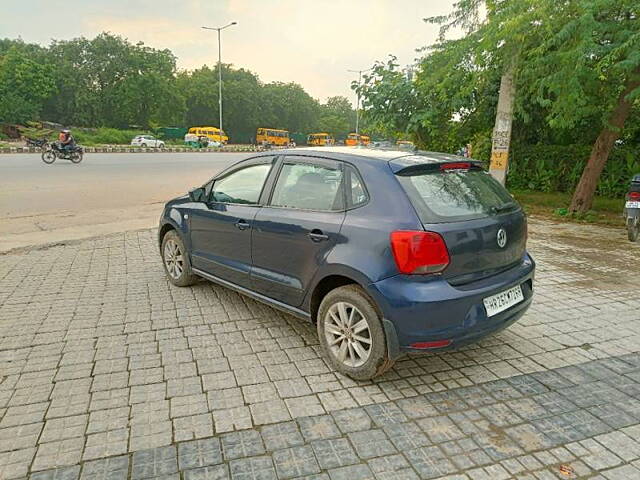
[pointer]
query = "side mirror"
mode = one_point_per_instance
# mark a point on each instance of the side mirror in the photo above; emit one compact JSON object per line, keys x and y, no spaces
{"x":197,"y":194}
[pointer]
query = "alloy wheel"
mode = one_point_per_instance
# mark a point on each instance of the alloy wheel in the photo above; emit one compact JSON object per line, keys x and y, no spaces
{"x":173,"y":259}
{"x":348,"y":335}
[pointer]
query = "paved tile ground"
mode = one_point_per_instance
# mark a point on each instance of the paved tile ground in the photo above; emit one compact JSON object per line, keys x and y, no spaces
{"x":108,"y":372}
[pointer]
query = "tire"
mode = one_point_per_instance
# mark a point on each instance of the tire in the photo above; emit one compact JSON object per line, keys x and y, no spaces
{"x":76,"y":157}
{"x":144,"y":145}
{"x":48,"y":157}
{"x":633,"y":229}
{"x":367,"y":359}
{"x":176,"y":262}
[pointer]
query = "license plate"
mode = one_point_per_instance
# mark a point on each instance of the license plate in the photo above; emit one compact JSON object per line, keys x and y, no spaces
{"x":632,"y":205}
{"x":501,"y":301}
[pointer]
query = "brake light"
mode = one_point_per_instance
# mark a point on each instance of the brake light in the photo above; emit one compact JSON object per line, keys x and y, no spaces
{"x":418,"y":252}
{"x":456,"y":166}
{"x":634,"y":195}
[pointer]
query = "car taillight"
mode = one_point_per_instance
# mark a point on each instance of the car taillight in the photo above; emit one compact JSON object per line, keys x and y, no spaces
{"x":634,"y":195}
{"x":418,"y":252}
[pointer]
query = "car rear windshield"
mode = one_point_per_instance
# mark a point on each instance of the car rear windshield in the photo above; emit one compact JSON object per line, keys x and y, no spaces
{"x":455,"y":195}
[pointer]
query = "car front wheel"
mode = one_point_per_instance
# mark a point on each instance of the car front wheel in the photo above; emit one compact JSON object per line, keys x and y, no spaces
{"x":176,"y":260}
{"x":351,"y":333}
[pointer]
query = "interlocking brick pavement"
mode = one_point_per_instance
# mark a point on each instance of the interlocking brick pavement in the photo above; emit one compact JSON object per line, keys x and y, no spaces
{"x":107,"y":371}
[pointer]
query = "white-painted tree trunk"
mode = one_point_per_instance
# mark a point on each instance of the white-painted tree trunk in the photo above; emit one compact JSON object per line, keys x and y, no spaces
{"x":501,"y":137}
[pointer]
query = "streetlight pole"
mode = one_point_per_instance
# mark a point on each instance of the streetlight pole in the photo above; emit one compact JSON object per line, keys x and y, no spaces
{"x":359,"y":72}
{"x":219,"y":29}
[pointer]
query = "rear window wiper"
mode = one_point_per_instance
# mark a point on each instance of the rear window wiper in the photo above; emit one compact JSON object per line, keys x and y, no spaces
{"x":503,"y":208}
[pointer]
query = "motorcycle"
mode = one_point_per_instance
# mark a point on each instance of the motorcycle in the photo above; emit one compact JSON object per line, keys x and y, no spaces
{"x":35,"y":142}
{"x":52,"y":151}
{"x":632,"y":209}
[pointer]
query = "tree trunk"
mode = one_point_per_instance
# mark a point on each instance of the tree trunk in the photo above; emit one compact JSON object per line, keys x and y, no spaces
{"x":583,"y":196}
{"x":501,"y":137}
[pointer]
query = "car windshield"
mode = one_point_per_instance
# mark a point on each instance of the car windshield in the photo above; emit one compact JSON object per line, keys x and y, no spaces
{"x":456,"y":195}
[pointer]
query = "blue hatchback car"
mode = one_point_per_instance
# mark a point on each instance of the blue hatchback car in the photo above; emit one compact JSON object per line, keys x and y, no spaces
{"x":386,"y":251}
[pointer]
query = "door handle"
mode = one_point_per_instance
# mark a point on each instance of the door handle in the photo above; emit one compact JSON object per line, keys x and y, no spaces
{"x":242,"y":224}
{"x":317,"y":235}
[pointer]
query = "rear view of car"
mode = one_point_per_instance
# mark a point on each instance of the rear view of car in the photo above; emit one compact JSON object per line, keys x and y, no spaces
{"x":455,"y":268}
{"x":386,"y":251}
{"x":466,"y":272}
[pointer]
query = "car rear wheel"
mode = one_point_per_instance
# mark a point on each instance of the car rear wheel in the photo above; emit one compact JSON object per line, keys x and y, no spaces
{"x":176,"y":261}
{"x":351,"y":334}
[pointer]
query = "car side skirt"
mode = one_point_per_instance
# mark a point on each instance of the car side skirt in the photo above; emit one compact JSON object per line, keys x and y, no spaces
{"x":256,"y":296}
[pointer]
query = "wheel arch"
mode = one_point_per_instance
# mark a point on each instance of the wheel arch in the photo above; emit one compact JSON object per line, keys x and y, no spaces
{"x":330,"y":278}
{"x":172,"y":220}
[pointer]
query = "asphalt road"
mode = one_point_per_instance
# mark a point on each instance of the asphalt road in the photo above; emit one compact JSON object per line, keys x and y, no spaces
{"x":106,"y":193}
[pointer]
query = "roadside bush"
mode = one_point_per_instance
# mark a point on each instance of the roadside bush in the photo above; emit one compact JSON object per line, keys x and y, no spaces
{"x":557,"y":168}
{"x":105,"y":136}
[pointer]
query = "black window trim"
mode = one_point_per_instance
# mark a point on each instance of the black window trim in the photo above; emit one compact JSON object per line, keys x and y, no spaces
{"x":306,"y":159}
{"x":250,"y":162}
{"x":347,"y":188}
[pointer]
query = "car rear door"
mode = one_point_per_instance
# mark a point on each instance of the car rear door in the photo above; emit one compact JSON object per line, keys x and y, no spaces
{"x":296,"y":230}
{"x":221,"y":227}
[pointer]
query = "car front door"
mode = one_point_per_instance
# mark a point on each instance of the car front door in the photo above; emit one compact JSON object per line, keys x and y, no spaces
{"x":293,"y":234}
{"x":221,"y":226}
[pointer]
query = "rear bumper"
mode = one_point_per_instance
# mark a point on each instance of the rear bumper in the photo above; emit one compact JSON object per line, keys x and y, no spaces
{"x":427,"y":309}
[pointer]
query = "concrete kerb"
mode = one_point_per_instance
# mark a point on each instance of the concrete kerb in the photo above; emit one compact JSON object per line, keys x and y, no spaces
{"x":119,"y":149}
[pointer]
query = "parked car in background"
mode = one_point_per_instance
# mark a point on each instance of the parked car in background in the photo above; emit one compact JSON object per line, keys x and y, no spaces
{"x":312,"y":231}
{"x":147,"y":141}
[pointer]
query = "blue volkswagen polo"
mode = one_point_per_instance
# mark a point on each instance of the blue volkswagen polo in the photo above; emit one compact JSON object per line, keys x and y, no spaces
{"x":386,"y":251}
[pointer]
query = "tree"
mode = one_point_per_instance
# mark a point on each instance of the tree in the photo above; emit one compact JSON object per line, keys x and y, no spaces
{"x":390,"y":100}
{"x":108,"y":81}
{"x":24,"y":86}
{"x":337,"y":117}
{"x":574,"y":64}
{"x":288,"y":106}
{"x":589,"y":67}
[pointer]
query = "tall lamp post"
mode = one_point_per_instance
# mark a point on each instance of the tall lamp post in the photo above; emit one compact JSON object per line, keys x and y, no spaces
{"x":219,"y":29}
{"x":359,"y":72}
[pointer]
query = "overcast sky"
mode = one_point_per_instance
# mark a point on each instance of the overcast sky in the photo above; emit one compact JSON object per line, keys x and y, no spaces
{"x":310,"y":42}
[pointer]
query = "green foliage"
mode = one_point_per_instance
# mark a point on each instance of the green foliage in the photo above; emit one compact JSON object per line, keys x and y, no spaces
{"x":390,"y":100}
{"x":337,"y":117}
{"x":24,"y":86}
{"x":106,"y":136}
{"x":557,"y":168}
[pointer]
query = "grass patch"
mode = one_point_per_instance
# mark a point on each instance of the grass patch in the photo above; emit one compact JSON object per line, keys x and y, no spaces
{"x":105,"y":136}
{"x":607,"y":211}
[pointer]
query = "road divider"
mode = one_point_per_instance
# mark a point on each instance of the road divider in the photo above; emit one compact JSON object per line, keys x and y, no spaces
{"x":124,"y":149}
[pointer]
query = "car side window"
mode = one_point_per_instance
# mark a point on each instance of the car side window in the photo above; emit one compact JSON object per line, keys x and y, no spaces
{"x":309,"y":186}
{"x":242,"y":186}
{"x":357,"y":192}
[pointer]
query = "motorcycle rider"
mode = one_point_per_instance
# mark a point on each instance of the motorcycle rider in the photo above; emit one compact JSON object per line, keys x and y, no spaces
{"x":67,"y":142}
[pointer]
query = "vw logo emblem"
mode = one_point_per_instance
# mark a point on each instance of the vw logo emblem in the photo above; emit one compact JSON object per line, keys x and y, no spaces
{"x":501,"y":238}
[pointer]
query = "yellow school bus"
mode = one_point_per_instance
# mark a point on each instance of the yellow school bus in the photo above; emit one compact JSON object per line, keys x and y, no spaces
{"x":213,"y":133}
{"x":354,"y":139}
{"x":272,"y":136}
{"x":320,"y":139}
